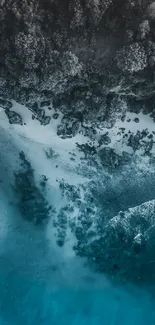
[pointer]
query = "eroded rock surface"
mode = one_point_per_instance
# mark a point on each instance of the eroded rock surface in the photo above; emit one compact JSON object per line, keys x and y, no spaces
{"x":84,"y":56}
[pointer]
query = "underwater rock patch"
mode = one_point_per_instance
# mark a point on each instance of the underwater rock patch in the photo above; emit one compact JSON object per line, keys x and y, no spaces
{"x":14,"y":118}
{"x":125,"y":249}
{"x":31,"y":201}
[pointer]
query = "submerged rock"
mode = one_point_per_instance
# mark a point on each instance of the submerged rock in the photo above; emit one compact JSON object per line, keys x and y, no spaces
{"x":45,"y":120}
{"x":14,"y":118}
{"x":109,"y":158}
{"x":125,"y":249}
{"x":32,"y":204}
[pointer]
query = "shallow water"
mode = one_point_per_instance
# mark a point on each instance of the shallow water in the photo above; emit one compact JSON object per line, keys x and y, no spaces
{"x":38,"y":285}
{"x":43,"y":284}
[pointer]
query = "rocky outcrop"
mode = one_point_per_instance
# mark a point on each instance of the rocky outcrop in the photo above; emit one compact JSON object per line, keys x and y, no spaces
{"x":14,"y":118}
{"x":83,"y":55}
